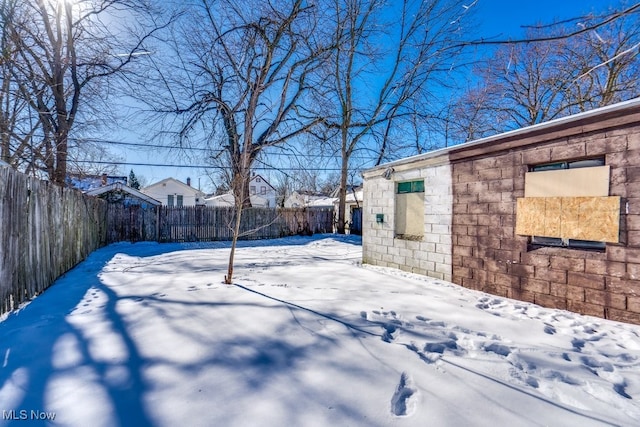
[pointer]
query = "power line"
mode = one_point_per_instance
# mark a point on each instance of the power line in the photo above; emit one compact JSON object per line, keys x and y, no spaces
{"x":144,"y":145}
{"x":164,"y":165}
{"x":208,"y":150}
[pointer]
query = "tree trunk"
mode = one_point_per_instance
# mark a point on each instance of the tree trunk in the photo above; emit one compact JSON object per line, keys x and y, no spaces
{"x":60,"y":172}
{"x":5,"y":128}
{"x":241,"y":178}
{"x":246,"y":195}
{"x":342,"y":195}
{"x":228,"y":279}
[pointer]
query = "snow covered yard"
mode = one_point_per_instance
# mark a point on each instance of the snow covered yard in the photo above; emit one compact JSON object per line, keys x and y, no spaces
{"x":146,"y":334}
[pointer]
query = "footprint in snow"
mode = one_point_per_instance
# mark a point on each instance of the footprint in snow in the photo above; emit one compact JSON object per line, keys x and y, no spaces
{"x":577,"y":344}
{"x":594,"y":364}
{"x":499,"y":349}
{"x":621,"y":389}
{"x":589,"y":329}
{"x":440,"y":347}
{"x":402,"y":402}
{"x":389,"y":330}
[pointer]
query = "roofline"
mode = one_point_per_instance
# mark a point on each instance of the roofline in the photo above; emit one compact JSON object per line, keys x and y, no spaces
{"x":537,"y":128}
{"x":264,"y":180}
{"x":127,"y":189}
{"x":176,"y":180}
{"x":219,"y":196}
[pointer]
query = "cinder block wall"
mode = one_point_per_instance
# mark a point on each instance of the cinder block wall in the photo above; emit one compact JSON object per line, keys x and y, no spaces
{"x":431,"y":256}
{"x":489,"y":256}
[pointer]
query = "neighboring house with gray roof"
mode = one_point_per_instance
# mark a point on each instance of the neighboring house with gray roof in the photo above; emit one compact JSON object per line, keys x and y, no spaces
{"x":121,"y":193}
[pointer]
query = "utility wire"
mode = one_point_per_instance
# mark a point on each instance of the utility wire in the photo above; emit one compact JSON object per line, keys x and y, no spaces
{"x":201,"y":166}
{"x":208,"y":150}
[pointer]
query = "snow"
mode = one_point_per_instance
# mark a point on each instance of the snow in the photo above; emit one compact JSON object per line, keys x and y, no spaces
{"x":146,"y":334}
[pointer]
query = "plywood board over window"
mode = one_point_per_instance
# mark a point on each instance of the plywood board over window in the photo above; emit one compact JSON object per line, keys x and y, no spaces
{"x":410,"y":210}
{"x":581,"y":218}
{"x":581,"y":182}
{"x":410,"y":214}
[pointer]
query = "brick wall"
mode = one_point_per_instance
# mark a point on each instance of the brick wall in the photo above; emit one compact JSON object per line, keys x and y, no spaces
{"x":431,"y":256}
{"x":487,"y":255}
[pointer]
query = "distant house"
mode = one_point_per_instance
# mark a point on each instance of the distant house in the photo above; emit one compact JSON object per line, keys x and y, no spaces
{"x":258,"y":186}
{"x":174,"y":193}
{"x":221,"y":200}
{"x":87,"y":183}
{"x":353,"y":205}
{"x":261,"y":193}
{"x":302,"y":200}
{"x":227,"y":200}
{"x":353,"y":210}
{"x":123,"y":194}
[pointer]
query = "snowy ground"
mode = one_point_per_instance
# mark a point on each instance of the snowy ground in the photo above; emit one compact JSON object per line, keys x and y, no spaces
{"x":146,"y":334}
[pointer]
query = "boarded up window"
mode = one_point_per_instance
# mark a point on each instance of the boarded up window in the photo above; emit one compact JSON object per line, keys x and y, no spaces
{"x":594,"y":219}
{"x":410,"y":210}
{"x":567,"y":204}
{"x":583,"y":182}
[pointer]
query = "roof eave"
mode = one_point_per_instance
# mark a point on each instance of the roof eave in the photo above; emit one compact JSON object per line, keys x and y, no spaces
{"x":540,"y":128}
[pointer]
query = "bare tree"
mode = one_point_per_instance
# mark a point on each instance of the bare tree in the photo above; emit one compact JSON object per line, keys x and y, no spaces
{"x":284,"y":186}
{"x":528,"y":83}
{"x":608,"y":64}
{"x":88,"y":158}
{"x":16,"y":130}
{"x":245,"y":69}
{"x":465,"y":119}
{"x":59,"y":50}
{"x":388,"y":54}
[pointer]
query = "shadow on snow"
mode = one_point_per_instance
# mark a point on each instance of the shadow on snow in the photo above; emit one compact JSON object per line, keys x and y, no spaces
{"x":30,"y":343}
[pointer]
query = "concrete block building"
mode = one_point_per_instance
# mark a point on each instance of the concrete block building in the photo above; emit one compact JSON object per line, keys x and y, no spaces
{"x":548,"y":214}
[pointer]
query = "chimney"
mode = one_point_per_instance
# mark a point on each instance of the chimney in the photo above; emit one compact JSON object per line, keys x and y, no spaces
{"x":189,"y":182}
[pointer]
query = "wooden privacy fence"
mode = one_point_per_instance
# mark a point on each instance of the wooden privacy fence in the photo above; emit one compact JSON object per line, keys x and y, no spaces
{"x":45,"y":230}
{"x":200,"y":223}
{"x":131,"y":223}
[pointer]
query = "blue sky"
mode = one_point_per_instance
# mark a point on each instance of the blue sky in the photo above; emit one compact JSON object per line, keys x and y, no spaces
{"x":497,"y":19}
{"x":506,"y":17}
